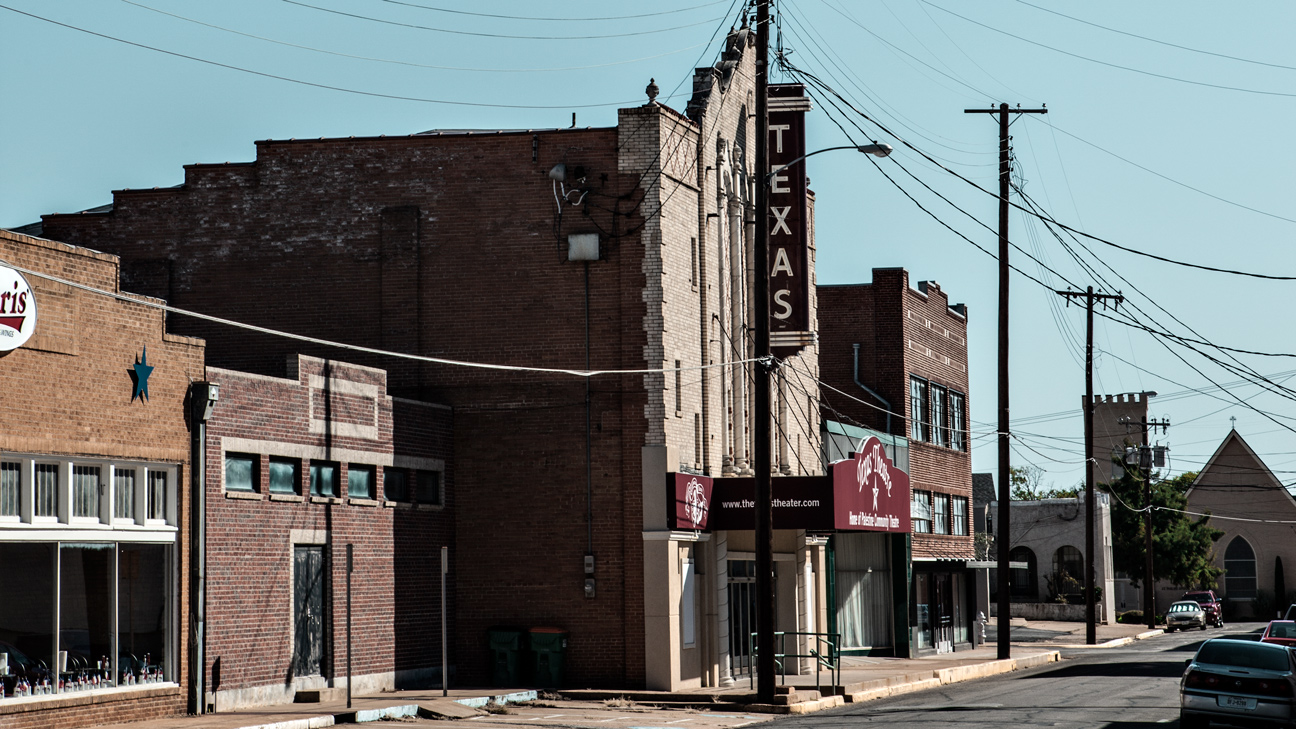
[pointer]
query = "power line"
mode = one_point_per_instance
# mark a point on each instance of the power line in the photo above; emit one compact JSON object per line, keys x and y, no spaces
{"x":1131,"y":69}
{"x":557,"y":20}
{"x":506,"y":36}
{"x":1167,"y":178}
{"x":398,"y":62}
{"x":1158,"y":42}
{"x":155,"y":304}
{"x":263,"y":74}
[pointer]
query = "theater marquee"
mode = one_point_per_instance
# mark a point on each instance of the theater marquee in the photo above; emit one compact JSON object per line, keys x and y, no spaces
{"x":864,"y":493}
{"x":789,"y":239}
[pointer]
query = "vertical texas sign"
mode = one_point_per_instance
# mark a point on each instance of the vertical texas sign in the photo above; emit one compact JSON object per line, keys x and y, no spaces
{"x":789,"y":240}
{"x":17,"y":310}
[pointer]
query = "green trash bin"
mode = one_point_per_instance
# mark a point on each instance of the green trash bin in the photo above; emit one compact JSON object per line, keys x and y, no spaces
{"x":505,"y":656}
{"x":548,"y":649}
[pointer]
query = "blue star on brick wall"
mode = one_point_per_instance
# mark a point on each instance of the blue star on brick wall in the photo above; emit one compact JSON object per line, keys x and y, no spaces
{"x":140,"y":374}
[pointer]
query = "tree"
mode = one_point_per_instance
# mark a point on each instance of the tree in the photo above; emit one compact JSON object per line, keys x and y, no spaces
{"x":1026,"y":483}
{"x":1182,"y":545}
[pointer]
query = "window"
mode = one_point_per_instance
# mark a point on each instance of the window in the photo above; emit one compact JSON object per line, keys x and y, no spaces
{"x":360,"y":482}
{"x":240,"y":472}
{"x":157,"y":495}
{"x":960,"y":516}
{"x":285,"y":475}
{"x":1021,"y":583}
{"x":1239,"y":569}
{"x":323,"y":478}
{"x":10,"y":488}
{"x":111,"y":601}
{"x":939,"y":424}
{"x":124,"y":488}
{"x":679,"y":389}
{"x":46,"y":489}
{"x":427,"y":487}
{"x":694,"y":278}
{"x":920,"y":512}
{"x":940,"y":513}
{"x":395,"y":484}
{"x":85,"y":491}
{"x":688,"y":603}
{"x":959,"y":440}
{"x":1068,"y":570}
{"x":917,"y":408}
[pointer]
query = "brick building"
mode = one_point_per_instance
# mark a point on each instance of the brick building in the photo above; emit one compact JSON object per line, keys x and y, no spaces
{"x":298,"y":470}
{"x":900,"y":352}
{"x":475,"y":246}
{"x":94,"y":519}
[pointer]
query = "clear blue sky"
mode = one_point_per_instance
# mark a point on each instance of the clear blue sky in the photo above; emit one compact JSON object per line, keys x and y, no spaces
{"x":86,"y":115}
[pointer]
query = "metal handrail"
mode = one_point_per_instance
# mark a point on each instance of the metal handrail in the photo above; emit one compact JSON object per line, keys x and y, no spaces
{"x":826,"y":653}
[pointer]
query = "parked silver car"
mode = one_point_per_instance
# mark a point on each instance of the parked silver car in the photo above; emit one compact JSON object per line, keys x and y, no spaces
{"x":1238,"y":680}
{"x":1185,"y":614}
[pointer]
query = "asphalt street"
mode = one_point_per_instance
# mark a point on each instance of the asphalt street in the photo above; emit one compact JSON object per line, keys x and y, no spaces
{"x":1115,"y":688}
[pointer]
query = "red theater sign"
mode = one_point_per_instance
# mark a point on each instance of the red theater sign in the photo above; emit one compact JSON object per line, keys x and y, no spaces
{"x":866,"y":493}
{"x":789,"y":239}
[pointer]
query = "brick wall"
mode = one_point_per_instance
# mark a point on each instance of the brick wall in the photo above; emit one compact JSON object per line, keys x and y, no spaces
{"x":902,"y":331}
{"x":68,"y":392}
{"x":341,"y":413}
{"x":450,"y":246}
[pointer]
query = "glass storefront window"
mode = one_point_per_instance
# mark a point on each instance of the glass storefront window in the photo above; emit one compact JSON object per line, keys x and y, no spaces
{"x":27,"y":614}
{"x":922,"y":601}
{"x":85,"y":615}
{"x":142,"y":613}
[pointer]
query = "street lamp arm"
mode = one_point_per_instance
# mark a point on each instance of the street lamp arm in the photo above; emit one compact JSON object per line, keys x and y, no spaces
{"x":877,"y":150}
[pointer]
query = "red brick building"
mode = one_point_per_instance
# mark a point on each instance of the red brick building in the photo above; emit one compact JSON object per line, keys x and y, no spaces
{"x":895,"y":358}
{"x":624,"y":248}
{"x":94,"y":514}
{"x":299,"y":469}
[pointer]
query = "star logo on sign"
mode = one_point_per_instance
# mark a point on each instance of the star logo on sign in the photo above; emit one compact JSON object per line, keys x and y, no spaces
{"x":140,"y":374}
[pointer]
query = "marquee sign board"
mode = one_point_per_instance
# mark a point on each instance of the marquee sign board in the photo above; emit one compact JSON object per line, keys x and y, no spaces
{"x":789,"y":239}
{"x":864,"y":493}
{"x":17,"y":310}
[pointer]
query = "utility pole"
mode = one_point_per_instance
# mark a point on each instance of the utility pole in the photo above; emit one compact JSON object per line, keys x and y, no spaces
{"x":1091,"y":629}
{"x":1145,"y":467}
{"x":765,"y":671}
{"x":1005,"y":490}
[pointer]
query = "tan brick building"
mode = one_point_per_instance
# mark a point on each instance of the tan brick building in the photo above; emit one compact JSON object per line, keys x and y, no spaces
{"x":94,"y":517}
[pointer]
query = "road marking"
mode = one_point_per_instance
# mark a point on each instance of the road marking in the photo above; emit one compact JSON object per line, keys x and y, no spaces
{"x":679,"y":721}
{"x":615,"y":718}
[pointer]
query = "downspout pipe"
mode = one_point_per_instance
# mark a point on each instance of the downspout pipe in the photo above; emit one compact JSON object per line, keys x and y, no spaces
{"x":866,"y":388}
{"x":202,"y":398}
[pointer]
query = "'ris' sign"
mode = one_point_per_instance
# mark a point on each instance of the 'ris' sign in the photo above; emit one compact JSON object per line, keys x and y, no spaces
{"x":17,"y":310}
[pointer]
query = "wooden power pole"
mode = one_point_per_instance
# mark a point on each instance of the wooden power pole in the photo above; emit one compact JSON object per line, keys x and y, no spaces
{"x":1005,"y":489}
{"x":1091,"y":625}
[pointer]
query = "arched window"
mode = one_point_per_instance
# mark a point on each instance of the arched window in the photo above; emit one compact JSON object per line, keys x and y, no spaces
{"x":1021,"y":583}
{"x":1239,"y":569}
{"x":1068,"y":571}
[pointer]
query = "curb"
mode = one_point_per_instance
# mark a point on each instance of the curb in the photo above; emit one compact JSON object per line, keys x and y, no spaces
{"x":310,"y":722}
{"x":956,"y":674}
{"x":1113,"y":643}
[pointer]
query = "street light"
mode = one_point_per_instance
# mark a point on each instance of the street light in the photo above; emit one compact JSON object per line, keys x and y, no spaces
{"x":877,"y":150}
{"x":764,"y":517}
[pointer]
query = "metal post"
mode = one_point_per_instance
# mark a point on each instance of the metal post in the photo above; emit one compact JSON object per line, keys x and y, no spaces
{"x":765,"y":664}
{"x":1091,"y":628}
{"x":445,"y":652}
{"x":350,"y":567}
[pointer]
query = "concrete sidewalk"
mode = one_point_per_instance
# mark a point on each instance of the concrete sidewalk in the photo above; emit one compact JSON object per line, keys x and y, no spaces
{"x":862,"y":679}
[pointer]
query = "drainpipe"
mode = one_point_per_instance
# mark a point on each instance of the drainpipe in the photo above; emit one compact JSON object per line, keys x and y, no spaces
{"x":865,"y":388}
{"x":203,"y":397}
